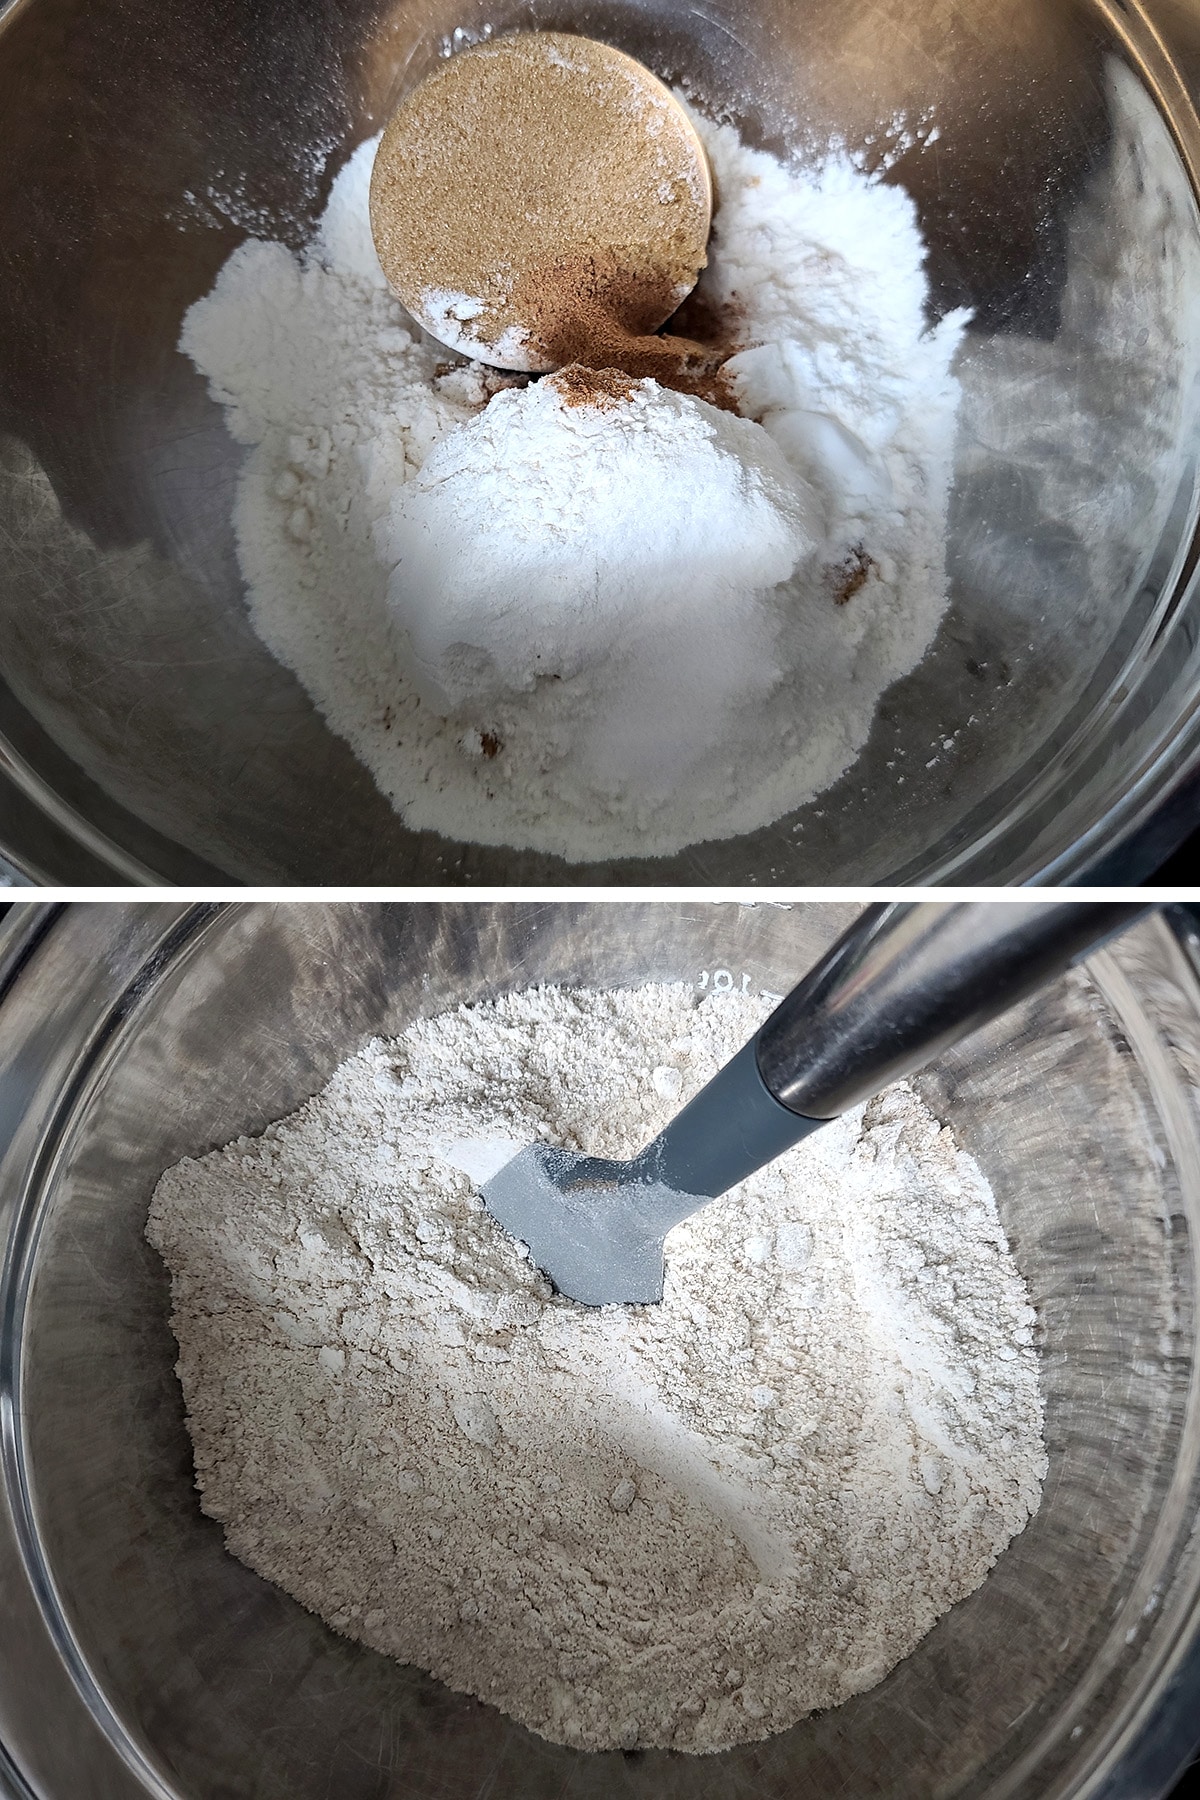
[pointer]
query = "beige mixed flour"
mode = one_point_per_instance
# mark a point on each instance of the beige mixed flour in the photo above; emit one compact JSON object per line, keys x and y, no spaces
{"x":687,"y":1524}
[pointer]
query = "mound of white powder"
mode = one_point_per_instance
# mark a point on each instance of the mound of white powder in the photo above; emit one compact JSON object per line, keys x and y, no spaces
{"x":630,"y":553}
{"x":340,"y":401}
{"x":687,"y":1524}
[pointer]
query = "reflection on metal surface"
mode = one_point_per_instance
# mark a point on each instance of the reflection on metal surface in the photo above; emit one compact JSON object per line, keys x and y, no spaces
{"x":140,"y":141}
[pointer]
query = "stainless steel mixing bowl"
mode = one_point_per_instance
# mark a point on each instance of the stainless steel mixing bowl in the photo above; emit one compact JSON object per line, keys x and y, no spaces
{"x":144,"y":729}
{"x":138,"y":1659}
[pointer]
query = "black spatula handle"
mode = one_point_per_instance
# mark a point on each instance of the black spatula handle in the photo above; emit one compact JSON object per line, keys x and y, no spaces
{"x":908,"y":980}
{"x":905,"y":982}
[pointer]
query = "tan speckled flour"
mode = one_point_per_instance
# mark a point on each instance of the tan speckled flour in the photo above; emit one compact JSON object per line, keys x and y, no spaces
{"x":684,"y":1525}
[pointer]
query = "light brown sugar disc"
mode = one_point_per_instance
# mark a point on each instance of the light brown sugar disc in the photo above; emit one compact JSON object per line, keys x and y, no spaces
{"x":537,"y":194}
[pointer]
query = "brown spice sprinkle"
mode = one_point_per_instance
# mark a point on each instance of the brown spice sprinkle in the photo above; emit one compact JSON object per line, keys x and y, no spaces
{"x":577,"y":316}
{"x":558,"y":185}
{"x":601,"y":388}
{"x":853,"y":574}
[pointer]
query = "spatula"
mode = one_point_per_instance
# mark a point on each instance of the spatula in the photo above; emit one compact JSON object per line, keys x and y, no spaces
{"x":905,"y":982}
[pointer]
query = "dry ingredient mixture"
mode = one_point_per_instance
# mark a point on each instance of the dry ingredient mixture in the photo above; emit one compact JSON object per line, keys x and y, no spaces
{"x":841,"y":383}
{"x":682,"y":1525}
{"x":542,"y":198}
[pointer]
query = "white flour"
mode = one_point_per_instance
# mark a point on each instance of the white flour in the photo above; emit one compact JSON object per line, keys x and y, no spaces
{"x":340,"y":404}
{"x":617,"y":567}
{"x":685,"y":1525}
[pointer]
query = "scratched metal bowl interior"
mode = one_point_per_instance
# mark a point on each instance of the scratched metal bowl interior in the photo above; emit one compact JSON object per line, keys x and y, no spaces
{"x":137,"y":1652}
{"x":145,"y":730}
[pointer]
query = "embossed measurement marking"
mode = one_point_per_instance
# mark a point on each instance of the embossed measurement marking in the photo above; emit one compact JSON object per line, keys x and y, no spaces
{"x":724,"y":981}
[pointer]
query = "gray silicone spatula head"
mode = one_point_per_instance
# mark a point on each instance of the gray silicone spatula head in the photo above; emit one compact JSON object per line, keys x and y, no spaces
{"x":901,"y":985}
{"x":590,"y":1224}
{"x":597,"y":1226}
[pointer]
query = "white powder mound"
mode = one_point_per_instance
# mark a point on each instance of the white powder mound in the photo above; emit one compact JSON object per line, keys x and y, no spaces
{"x":844,"y":374}
{"x":679,"y":1525}
{"x":339,"y":400}
{"x":610,"y":571}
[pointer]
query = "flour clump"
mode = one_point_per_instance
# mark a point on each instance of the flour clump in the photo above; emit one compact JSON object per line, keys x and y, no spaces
{"x":682,"y":1525}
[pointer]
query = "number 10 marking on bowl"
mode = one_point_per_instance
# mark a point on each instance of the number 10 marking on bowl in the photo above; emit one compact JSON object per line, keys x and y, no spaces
{"x":723,"y":981}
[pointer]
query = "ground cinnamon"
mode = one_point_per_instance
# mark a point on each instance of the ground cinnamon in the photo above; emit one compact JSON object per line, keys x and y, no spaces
{"x":853,"y":574}
{"x":590,"y":311}
{"x":602,"y":388}
{"x":550,"y":194}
